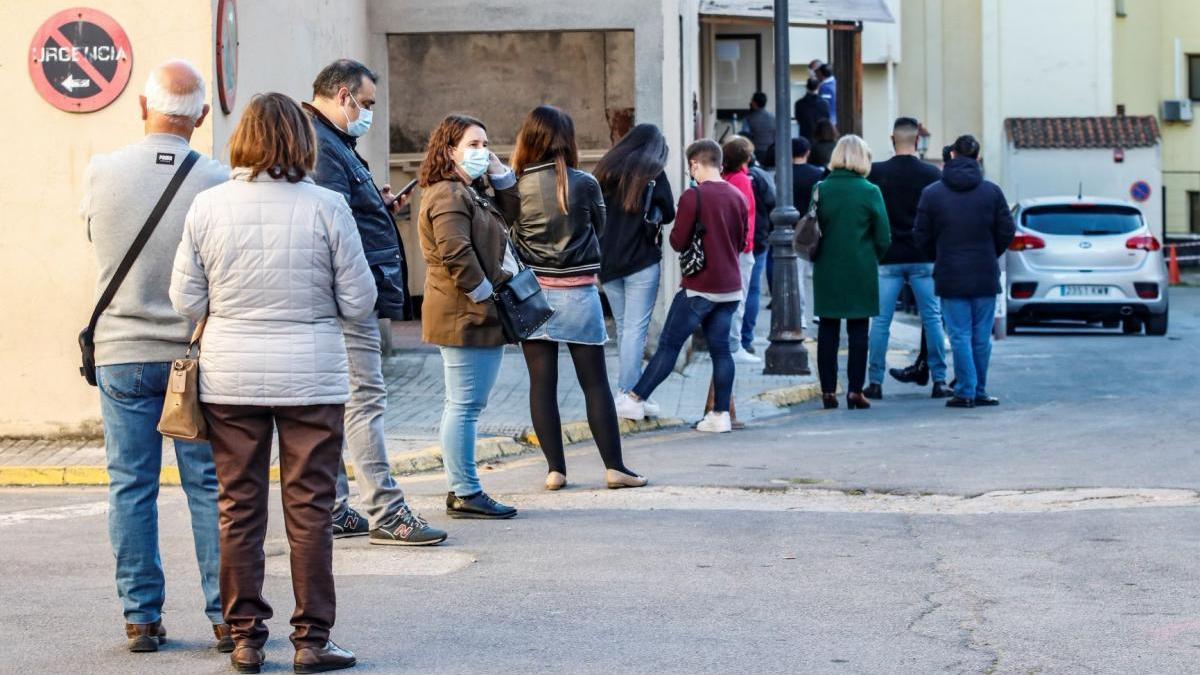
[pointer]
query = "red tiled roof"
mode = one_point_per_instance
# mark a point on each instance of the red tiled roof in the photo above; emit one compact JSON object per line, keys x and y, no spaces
{"x":1082,"y":132}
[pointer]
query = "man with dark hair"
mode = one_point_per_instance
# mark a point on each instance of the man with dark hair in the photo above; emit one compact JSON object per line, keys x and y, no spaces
{"x":964,"y":224}
{"x":763,"y":185}
{"x":805,"y":177}
{"x":902,"y":179}
{"x":810,"y":109}
{"x":828,"y":89}
{"x":759,"y":127}
{"x":343,"y":96}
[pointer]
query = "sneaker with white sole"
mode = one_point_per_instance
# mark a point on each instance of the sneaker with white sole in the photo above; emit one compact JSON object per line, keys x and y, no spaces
{"x":628,"y":408}
{"x":743,"y":356}
{"x":652,"y":408}
{"x":715,"y":423}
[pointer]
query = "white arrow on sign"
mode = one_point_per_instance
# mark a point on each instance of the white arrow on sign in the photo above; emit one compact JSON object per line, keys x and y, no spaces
{"x":71,"y":83}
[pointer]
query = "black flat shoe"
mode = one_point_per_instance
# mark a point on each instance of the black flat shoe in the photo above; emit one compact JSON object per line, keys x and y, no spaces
{"x":856,"y":401}
{"x":986,"y":401}
{"x":940,"y":390}
{"x":873,"y":391}
{"x":479,"y":506}
{"x":830,"y":401}
{"x":917,"y":373}
{"x":958,"y":402}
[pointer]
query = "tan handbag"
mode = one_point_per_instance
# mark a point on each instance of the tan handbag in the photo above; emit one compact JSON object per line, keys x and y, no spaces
{"x":181,"y":416}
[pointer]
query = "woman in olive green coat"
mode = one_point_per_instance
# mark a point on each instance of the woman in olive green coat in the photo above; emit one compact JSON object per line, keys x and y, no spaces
{"x":854,"y":237}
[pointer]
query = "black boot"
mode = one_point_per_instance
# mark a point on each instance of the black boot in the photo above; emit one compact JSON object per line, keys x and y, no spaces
{"x":917,"y":373}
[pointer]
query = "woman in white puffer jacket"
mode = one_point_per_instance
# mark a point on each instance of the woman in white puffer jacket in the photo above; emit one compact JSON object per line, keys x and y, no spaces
{"x":273,"y":261}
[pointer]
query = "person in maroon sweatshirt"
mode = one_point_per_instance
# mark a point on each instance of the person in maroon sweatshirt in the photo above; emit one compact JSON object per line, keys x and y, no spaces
{"x":707,"y":298}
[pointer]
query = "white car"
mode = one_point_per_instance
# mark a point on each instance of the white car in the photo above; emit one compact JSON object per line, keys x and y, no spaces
{"x":1088,"y":259}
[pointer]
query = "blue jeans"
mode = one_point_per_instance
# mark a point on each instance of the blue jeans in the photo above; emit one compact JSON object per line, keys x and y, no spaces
{"x":683,"y":317}
{"x":969,"y":321}
{"x":892,"y":278}
{"x":470,"y":375}
{"x":753,"y":299}
{"x":632,"y":300}
{"x":131,"y":400}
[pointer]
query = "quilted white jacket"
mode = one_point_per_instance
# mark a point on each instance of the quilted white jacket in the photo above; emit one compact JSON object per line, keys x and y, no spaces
{"x":274,"y":265}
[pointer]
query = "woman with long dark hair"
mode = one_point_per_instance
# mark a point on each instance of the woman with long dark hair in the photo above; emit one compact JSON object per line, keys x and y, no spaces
{"x":825,"y":139}
{"x":631,"y":244}
{"x":557,"y":235}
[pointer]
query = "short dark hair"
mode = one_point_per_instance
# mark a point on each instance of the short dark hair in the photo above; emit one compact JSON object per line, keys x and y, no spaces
{"x":812,"y":84}
{"x":800,"y":147}
{"x":909,"y":123}
{"x":759,"y":99}
{"x":705,"y":151}
{"x":824,"y":70}
{"x":346,"y":73}
{"x":966,"y":146}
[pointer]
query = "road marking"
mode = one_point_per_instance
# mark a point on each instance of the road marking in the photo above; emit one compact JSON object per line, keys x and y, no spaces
{"x":84,"y":510}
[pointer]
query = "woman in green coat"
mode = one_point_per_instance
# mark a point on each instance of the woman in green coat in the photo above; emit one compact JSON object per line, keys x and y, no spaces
{"x":854,"y":237}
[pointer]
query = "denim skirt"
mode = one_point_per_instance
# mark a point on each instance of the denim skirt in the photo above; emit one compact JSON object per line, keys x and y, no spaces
{"x":578,"y":316}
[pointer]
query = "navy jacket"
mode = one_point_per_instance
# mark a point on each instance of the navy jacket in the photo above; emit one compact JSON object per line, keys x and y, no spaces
{"x":764,"y":201}
{"x":810,"y":109}
{"x":902,"y":179}
{"x":964,"y":224}
{"x":340,"y":168}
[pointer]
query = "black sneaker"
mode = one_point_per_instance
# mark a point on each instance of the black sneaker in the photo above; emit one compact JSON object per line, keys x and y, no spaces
{"x":349,"y":524}
{"x":959,"y":402}
{"x":986,"y":401}
{"x":940,"y":390}
{"x":404,"y":528}
{"x":873,"y":391}
{"x":917,"y":373}
{"x":749,"y":349}
{"x":478,"y":505}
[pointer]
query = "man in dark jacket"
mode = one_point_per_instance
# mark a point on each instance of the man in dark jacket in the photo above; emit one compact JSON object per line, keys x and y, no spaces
{"x":764,"y":201}
{"x":759,"y":127}
{"x":810,"y":109}
{"x":343,"y":96}
{"x":902,"y":179}
{"x":964,"y":224}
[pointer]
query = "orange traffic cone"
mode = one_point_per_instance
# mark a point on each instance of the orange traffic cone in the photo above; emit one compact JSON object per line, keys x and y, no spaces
{"x":1173,"y":266}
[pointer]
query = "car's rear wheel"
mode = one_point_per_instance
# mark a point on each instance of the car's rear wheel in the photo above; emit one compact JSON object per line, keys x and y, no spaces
{"x":1156,"y":324}
{"x":1131,"y":326}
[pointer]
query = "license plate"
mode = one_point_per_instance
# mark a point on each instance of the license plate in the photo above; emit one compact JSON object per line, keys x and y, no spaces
{"x":1077,"y":291}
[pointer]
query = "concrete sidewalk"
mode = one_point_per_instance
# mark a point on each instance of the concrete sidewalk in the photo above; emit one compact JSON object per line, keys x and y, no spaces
{"x":415,"y":394}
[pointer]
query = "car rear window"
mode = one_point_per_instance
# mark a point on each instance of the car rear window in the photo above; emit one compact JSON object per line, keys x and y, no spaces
{"x":1082,"y":220}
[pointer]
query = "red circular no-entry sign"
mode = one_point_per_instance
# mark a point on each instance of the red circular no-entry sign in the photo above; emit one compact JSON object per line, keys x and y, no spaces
{"x":80,"y":60}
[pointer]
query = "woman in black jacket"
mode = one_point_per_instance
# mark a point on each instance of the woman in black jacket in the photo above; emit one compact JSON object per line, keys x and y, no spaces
{"x":557,"y":235}
{"x":631,"y":244}
{"x":824,"y":141}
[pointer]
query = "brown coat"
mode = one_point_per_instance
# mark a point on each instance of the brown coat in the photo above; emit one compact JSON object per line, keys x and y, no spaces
{"x":463,"y":235}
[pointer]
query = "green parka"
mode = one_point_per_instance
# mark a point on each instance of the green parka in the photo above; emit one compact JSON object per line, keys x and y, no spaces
{"x":854,"y":237}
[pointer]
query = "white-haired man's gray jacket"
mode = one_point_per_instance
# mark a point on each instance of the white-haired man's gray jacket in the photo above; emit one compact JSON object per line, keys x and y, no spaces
{"x":274,"y":265}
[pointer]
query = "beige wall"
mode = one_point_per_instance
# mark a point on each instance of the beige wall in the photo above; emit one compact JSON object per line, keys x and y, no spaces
{"x":47,"y":275}
{"x":1144,"y":76}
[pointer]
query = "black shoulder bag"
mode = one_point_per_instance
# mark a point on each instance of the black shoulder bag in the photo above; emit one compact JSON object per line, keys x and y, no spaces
{"x":652,"y":216}
{"x":87,"y":338}
{"x":691,"y":259}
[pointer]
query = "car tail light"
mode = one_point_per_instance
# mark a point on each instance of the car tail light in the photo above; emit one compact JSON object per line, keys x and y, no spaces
{"x":1023,"y":290}
{"x":1146,"y":290}
{"x":1027,"y":242}
{"x":1144,"y":242}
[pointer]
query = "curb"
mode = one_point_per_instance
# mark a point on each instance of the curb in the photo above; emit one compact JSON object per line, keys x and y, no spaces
{"x":791,"y":396}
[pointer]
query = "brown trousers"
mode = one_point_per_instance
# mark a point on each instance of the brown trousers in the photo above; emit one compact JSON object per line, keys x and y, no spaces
{"x":310,"y":447}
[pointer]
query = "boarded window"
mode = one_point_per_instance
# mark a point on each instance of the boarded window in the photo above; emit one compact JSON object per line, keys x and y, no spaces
{"x":1194,"y":76}
{"x":1193,"y":211}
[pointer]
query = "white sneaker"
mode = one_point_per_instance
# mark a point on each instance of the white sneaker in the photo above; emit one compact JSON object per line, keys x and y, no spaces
{"x":715,"y":423}
{"x":629,"y":409}
{"x":652,"y":408}
{"x":743,"y":356}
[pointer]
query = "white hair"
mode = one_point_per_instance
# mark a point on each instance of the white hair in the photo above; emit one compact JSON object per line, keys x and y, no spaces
{"x":168,"y":93}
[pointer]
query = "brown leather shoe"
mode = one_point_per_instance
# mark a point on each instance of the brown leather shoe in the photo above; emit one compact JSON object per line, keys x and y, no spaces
{"x":322,"y":659}
{"x":224,"y":635}
{"x":145,"y":637}
{"x":247,"y":659}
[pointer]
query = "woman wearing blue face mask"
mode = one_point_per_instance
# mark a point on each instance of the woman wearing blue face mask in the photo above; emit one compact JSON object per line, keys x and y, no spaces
{"x":463,"y":227}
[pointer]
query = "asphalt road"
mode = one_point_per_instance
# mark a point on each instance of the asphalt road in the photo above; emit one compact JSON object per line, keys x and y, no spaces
{"x":1054,"y":534}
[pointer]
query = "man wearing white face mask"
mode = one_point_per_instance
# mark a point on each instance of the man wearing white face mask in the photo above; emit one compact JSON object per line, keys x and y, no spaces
{"x":343,"y":96}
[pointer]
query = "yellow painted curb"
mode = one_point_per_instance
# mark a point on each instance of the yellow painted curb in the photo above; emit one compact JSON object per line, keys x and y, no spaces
{"x":790,"y":396}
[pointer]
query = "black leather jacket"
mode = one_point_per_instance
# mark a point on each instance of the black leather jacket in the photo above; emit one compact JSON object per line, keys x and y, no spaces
{"x":340,"y":168}
{"x":553,"y":243}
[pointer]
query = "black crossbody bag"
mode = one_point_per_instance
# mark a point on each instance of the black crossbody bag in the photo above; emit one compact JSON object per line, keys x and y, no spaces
{"x":652,"y":216}
{"x":87,"y":338}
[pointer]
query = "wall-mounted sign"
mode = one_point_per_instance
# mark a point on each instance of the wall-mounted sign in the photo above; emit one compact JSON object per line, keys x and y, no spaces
{"x":80,"y":60}
{"x":227,"y":50}
{"x":1140,"y":191}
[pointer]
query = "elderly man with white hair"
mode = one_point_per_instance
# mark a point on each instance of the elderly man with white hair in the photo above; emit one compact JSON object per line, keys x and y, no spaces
{"x":138,"y":334}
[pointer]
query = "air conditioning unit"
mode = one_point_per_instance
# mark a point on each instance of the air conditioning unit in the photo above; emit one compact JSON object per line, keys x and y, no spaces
{"x":1177,"y":111}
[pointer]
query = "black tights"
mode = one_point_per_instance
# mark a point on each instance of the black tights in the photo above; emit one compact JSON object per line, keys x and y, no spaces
{"x":541,"y":357}
{"x":828,"y":340}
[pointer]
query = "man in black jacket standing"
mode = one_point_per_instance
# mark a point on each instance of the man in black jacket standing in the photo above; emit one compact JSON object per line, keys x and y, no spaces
{"x":343,"y":96}
{"x":902,"y":179}
{"x":764,"y":201}
{"x":810,"y":109}
{"x":964,"y":223}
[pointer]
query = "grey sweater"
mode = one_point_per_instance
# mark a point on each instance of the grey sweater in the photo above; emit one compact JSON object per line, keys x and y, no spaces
{"x":120,"y":189}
